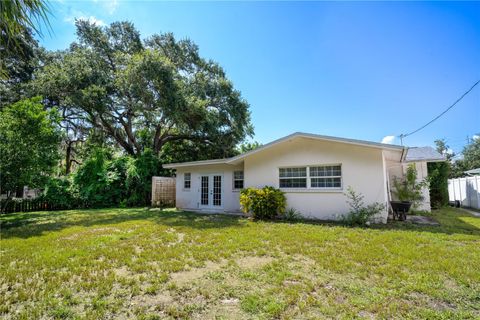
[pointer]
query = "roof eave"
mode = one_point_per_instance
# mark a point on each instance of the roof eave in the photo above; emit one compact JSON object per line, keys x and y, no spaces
{"x":425,"y":160}
{"x":318,"y":137}
{"x":239,"y":158}
{"x":194,"y":163}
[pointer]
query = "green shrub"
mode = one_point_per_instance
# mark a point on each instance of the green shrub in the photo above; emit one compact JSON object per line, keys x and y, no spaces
{"x":139,"y":178}
{"x":408,"y":188}
{"x":265,"y":203}
{"x":360,"y":214}
{"x":100,"y":180}
{"x":438,"y":178}
{"x":106,"y":180}
{"x":292,"y":214}
{"x":58,"y":192}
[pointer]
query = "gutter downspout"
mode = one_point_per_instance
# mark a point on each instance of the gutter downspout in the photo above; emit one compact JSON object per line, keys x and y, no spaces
{"x":388,"y":182}
{"x":404,"y":154}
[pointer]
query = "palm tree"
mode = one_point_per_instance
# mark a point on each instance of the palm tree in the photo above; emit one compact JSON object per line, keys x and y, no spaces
{"x":15,"y":17}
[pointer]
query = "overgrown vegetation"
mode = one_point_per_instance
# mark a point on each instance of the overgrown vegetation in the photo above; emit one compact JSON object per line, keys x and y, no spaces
{"x":265,"y":203}
{"x":408,"y":188}
{"x":105,"y":179}
{"x":147,"y":264}
{"x":438,"y":183}
{"x":360,"y":214}
{"x":59,"y":191}
{"x":29,"y":145}
{"x":123,"y":105}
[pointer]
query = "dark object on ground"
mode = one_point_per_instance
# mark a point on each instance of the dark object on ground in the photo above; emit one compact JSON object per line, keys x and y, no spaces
{"x":422,"y":220}
{"x":455,"y":203}
{"x":400,"y":209}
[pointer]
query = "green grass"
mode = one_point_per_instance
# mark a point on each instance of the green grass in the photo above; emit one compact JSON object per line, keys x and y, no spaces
{"x":147,"y":264}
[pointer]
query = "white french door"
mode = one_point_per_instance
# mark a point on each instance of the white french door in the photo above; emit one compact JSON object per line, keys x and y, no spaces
{"x":211,"y":186}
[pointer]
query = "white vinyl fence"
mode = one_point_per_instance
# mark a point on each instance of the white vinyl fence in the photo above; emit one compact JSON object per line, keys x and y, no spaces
{"x":466,"y":190}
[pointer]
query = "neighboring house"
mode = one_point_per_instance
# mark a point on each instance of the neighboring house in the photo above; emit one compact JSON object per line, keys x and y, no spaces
{"x":473,"y":172}
{"x":313,"y":171}
{"x":25,"y":193}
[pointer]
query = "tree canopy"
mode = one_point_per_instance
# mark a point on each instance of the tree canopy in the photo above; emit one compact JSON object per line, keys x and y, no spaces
{"x":29,"y":143}
{"x":470,"y":160}
{"x":17,"y":18}
{"x":144,"y":94}
{"x":115,"y":106}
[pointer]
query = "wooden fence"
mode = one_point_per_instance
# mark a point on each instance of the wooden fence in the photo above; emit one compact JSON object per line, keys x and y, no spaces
{"x":163,"y":192}
{"x":465,"y":190}
{"x":27,"y":205}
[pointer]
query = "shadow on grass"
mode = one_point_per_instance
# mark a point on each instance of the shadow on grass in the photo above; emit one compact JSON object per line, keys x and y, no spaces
{"x":452,"y":221}
{"x":31,"y":224}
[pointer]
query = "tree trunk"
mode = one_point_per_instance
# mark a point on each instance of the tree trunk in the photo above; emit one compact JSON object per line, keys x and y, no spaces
{"x":68,"y":162}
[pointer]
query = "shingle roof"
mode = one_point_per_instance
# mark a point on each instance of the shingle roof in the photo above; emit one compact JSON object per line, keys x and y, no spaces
{"x":232,"y":160}
{"x":423,"y":154}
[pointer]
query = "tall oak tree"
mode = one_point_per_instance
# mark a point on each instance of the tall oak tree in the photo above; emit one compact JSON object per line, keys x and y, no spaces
{"x":144,"y":94}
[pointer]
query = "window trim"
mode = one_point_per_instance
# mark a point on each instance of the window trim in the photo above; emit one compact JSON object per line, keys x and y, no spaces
{"x":185,"y":180}
{"x":326,"y":188}
{"x":309,"y":178}
{"x":293,"y":167}
{"x":233,"y":180}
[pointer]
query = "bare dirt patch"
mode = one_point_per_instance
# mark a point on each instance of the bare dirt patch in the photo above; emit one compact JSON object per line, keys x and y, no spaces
{"x":254,"y":262}
{"x":161,"y":299}
{"x":433,"y":303}
{"x":226,"y":309}
{"x":184,"y":277}
{"x":122,"y":272}
{"x":180,"y":237}
{"x":95,"y":231}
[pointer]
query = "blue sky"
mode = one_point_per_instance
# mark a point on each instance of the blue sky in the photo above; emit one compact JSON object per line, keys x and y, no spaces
{"x":357,"y":70}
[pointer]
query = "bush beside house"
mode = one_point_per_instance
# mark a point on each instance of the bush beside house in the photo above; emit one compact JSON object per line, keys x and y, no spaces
{"x":265,"y":203}
{"x":438,"y":177}
{"x":360,"y":214}
{"x":105,"y":180}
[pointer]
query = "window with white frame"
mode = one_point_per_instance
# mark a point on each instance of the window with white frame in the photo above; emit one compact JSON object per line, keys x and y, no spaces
{"x":293,"y":177}
{"x":326,"y":176}
{"x":187,"y":180}
{"x":318,"y":177}
{"x":238,"y":180}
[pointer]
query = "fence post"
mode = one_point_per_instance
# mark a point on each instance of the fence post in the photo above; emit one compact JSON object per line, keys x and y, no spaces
{"x":471,"y":193}
{"x":477,"y":189}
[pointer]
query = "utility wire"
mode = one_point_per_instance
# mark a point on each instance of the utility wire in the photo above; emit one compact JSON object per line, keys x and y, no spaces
{"x":441,"y":114}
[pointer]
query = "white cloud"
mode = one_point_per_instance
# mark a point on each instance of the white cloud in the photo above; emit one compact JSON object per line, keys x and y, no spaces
{"x":78,"y":15}
{"x":476,"y":137}
{"x":449,"y":151}
{"x":388,"y":139}
{"x":108,"y":5}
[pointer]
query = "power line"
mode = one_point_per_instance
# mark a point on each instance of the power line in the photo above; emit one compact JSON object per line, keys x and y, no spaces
{"x":441,"y":114}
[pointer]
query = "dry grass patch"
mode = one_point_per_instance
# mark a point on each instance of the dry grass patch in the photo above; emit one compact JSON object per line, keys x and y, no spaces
{"x":142,"y":264}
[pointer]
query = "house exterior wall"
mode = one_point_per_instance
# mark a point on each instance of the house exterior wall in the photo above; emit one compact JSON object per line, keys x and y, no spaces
{"x":363,"y":169}
{"x":398,"y":170}
{"x":189,"y":199}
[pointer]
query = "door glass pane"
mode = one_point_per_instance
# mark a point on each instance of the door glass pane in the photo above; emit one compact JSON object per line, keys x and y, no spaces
{"x":217,"y":190}
{"x":204,"y":191}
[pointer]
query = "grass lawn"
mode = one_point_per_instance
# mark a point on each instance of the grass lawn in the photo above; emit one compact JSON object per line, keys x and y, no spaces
{"x":146,"y":264}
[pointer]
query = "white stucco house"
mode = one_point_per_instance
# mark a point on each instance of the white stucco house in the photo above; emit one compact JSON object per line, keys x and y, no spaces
{"x":313,"y":170}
